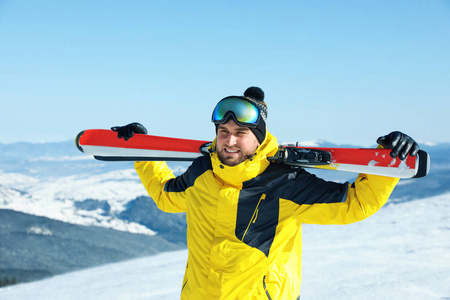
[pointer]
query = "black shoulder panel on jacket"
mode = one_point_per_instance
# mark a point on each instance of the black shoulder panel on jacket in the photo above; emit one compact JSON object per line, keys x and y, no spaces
{"x":258,"y":206}
{"x":307,"y":188}
{"x":186,"y":180}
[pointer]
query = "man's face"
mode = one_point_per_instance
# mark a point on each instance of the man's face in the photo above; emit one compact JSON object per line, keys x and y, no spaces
{"x":235,"y":143}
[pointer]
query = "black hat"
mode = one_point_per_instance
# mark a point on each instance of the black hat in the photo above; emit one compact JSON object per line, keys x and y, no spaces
{"x":255,"y":95}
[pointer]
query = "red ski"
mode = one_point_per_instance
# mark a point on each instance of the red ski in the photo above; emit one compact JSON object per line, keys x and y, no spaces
{"x":104,"y":145}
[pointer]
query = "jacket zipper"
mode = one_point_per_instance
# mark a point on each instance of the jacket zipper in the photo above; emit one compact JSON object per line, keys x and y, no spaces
{"x":265,"y":288}
{"x":254,"y":216}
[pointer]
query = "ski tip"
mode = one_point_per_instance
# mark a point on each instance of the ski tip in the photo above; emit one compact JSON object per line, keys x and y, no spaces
{"x":77,"y":141}
{"x":424,"y":164}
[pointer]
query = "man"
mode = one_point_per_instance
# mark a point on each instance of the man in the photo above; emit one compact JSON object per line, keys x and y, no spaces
{"x":244,"y":214}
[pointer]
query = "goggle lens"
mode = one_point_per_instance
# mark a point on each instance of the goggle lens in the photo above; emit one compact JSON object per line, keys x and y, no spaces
{"x":244,"y":111}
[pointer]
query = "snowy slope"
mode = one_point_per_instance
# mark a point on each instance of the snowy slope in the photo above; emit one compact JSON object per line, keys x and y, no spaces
{"x":402,"y":252}
{"x":156,"y":277}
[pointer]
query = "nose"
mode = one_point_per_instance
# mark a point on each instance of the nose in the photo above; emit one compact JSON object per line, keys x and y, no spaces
{"x":231,"y":140}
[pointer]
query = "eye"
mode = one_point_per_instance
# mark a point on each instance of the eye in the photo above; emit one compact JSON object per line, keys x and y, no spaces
{"x":243,"y":131}
{"x":222,"y":131}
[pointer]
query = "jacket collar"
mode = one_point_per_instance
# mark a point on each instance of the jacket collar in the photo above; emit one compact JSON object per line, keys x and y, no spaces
{"x":250,"y":168}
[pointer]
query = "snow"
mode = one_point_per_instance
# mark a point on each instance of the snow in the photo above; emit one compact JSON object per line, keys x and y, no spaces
{"x":55,"y":197}
{"x":156,"y":277}
{"x":428,"y":143}
{"x":402,"y":252}
{"x":62,"y":158}
{"x":39,"y":230}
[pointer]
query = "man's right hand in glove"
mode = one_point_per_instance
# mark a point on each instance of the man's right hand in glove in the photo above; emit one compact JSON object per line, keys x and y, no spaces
{"x":126,"y":132}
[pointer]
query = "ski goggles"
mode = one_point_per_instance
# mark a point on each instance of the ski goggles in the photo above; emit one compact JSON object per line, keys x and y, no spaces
{"x":241,"y":110}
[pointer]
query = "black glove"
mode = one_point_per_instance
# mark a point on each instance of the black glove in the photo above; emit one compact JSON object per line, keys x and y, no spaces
{"x":126,"y":132}
{"x":400,"y":143}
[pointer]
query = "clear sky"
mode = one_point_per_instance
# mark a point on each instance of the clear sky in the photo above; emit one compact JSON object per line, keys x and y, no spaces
{"x":341,"y":71}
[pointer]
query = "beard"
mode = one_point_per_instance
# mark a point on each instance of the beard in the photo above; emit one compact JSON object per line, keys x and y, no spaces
{"x":232,"y":159}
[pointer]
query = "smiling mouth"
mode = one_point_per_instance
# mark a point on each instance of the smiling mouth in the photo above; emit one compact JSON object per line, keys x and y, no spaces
{"x":231,"y":151}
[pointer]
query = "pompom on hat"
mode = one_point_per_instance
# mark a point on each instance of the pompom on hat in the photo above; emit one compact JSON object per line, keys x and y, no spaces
{"x":256,"y":96}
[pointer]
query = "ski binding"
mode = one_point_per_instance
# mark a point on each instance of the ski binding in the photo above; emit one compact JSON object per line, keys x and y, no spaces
{"x":301,"y":156}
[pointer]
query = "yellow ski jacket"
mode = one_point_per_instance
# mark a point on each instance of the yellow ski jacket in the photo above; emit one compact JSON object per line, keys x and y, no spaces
{"x":244,"y":223}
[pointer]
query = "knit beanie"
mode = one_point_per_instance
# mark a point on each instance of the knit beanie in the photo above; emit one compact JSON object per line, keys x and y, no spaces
{"x":256,"y":96}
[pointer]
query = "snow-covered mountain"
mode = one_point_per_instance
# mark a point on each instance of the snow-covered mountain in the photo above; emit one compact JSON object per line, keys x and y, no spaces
{"x":79,"y":199}
{"x":56,"y":181}
{"x":110,"y":216}
{"x":33,"y":247}
{"x":402,"y":252}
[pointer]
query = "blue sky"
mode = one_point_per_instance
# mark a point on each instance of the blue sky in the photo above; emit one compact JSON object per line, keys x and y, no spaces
{"x":340,"y":71}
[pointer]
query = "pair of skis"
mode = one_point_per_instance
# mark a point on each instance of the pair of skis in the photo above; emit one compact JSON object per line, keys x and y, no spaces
{"x":104,"y":145}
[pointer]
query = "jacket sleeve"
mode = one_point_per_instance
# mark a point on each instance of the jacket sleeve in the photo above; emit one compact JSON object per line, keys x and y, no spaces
{"x":347,"y":203}
{"x":154,"y":176}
